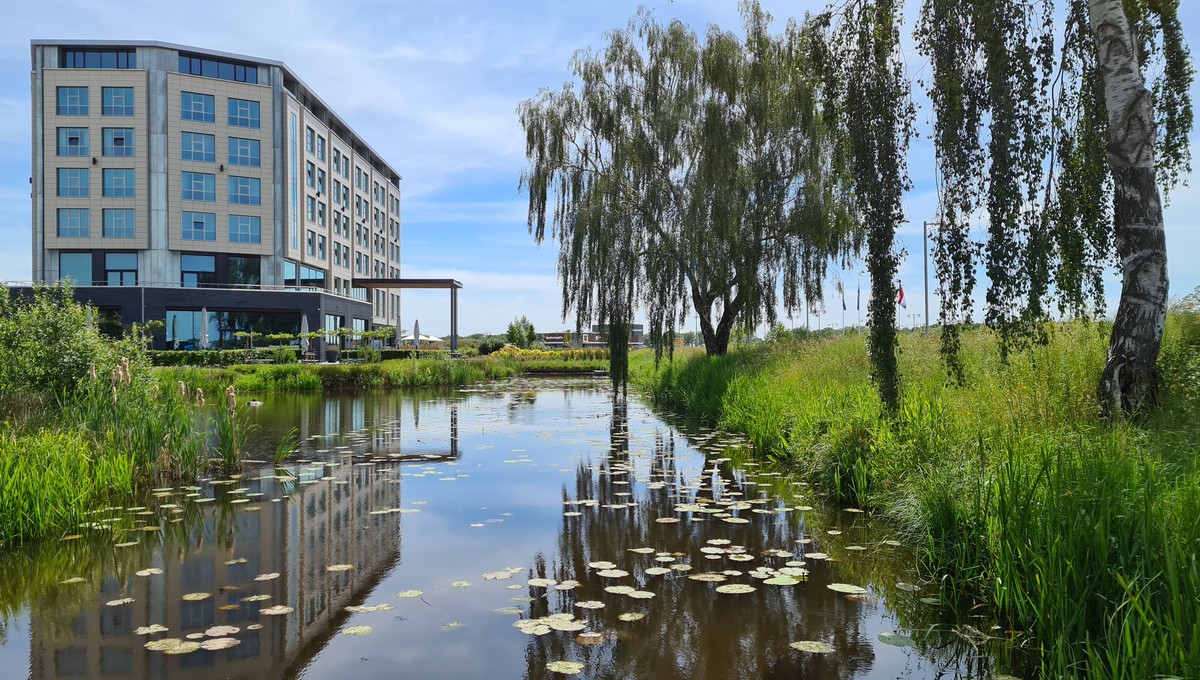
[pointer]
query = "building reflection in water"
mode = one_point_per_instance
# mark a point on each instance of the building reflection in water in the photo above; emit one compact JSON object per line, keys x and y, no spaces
{"x":326,"y":520}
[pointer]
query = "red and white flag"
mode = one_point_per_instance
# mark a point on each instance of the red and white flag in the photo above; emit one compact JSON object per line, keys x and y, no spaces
{"x":900,"y":299}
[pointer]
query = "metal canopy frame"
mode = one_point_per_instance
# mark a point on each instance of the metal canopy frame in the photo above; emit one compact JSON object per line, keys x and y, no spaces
{"x":416,"y":284}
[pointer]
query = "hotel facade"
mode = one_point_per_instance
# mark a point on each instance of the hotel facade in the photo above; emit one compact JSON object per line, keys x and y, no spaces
{"x":215,"y":192}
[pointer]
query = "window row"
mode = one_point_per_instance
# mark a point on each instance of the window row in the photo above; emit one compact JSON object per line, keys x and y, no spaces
{"x":202,"y":186}
{"x":74,"y":101}
{"x":200,"y":226}
{"x":76,"y":223}
{"x":214,"y":68}
{"x":202,"y":108}
{"x":98,"y":58}
{"x":76,"y":182}
{"x":74,"y":141}
{"x":197,"y":146}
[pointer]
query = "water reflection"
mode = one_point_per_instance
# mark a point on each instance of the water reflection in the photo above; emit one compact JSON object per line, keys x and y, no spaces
{"x":540,"y":477}
{"x":220,"y":548}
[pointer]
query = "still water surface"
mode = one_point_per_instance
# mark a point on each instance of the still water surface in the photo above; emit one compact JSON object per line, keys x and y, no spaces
{"x":466,"y":497}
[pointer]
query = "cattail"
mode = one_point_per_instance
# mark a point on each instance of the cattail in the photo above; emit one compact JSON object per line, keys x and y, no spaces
{"x":199,"y":397}
{"x":92,"y":372}
{"x":116,"y":376}
{"x":154,"y":392}
{"x":126,"y":376}
{"x":230,"y":398}
{"x":183,"y":390}
{"x":114,"y":389}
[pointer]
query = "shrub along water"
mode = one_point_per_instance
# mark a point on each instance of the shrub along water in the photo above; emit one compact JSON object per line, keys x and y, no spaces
{"x":1080,"y":532}
{"x":83,"y":421}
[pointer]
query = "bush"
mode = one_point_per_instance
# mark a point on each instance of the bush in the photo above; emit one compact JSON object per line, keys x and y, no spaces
{"x":217,"y":358}
{"x":47,"y":345}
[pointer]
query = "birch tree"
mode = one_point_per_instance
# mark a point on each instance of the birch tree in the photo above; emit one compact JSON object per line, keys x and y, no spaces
{"x":1063,"y":151}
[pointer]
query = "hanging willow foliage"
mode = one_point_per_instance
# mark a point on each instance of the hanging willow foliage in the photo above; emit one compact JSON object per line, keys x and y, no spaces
{"x":681,"y":174}
{"x":865,"y":91}
{"x":1022,"y":137}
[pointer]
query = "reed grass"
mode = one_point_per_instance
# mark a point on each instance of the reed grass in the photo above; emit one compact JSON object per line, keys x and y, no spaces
{"x":1079,"y":532}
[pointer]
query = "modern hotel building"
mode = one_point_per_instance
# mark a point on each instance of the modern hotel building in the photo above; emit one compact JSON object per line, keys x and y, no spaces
{"x":213,"y":191}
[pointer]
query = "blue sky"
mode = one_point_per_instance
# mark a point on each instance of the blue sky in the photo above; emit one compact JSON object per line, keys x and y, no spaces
{"x":434,"y":88}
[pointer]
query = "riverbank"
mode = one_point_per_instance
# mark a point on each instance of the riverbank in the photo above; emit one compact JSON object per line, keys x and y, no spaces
{"x":1079,"y":532}
{"x":390,"y":374}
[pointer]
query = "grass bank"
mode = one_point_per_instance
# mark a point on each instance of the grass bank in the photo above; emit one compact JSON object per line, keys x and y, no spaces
{"x":1081,"y":533}
{"x":395,"y":373}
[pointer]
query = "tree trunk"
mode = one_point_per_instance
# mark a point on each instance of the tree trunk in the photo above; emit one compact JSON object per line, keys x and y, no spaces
{"x":716,"y":338}
{"x":1130,"y":381}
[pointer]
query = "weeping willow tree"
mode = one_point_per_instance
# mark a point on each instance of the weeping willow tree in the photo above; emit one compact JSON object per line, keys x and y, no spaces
{"x":865,"y":99}
{"x":681,"y":175}
{"x":1063,"y":151}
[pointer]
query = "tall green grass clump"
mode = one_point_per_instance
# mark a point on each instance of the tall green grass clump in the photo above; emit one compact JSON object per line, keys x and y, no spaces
{"x":83,"y":420}
{"x":1081,"y":533}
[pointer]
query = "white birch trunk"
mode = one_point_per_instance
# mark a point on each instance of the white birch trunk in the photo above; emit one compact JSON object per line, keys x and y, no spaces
{"x":1129,"y":380}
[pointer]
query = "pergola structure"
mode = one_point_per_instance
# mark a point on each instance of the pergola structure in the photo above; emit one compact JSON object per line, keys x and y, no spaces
{"x":410,"y":284}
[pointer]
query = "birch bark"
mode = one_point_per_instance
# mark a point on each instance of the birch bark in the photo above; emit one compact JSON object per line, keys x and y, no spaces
{"x":1129,"y":381}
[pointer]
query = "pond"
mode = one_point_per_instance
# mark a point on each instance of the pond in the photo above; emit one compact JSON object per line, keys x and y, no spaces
{"x":492,"y":532}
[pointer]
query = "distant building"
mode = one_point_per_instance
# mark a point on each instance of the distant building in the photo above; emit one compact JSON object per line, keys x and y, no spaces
{"x":169,"y":179}
{"x":596,"y":337}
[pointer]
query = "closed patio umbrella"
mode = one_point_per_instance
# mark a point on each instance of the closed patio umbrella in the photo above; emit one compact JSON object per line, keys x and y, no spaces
{"x":204,"y":328}
{"x":303,"y":333}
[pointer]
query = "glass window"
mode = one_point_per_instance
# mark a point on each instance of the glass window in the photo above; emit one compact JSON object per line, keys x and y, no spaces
{"x":321,"y":213}
{"x":213,"y":68}
{"x":311,"y":243}
{"x":73,"y":58}
{"x":320,"y":148}
{"x":243,"y":113}
{"x":72,"y":101}
{"x":195,"y":146}
{"x":197,"y":270}
{"x":197,"y":107}
{"x":245,"y":229}
{"x":245,"y":152}
{"x":73,"y":182}
{"x":73,"y":142}
{"x":320,"y":182}
{"x":120,"y":269}
{"x":75,"y":266}
{"x":199,"y":186}
{"x":118,"y":223}
{"x":310,"y":175}
{"x":245,"y":190}
{"x":118,"y":141}
{"x":119,"y":182}
{"x":198,"y":226}
{"x":310,"y":209}
{"x":310,"y":137}
{"x":245,"y":270}
{"x":73,"y":222}
{"x":321,"y":246}
{"x":116,"y":101}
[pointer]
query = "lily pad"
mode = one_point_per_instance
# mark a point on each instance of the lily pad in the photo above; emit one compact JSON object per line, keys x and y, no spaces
{"x":781,"y":581}
{"x":405,"y":594}
{"x":511,"y":611}
{"x":590,"y":604}
{"x":339,"y":567}
{"x":565,"y":667}
{"x":222,"y":631}
{"x":357,"y":630}
{"x":184,"y":647}
{"x":641,"y":594}
{"x":591,"y":638}
{"x":907,"y":587}
{"x":602,"y":565}
{"x":196,"y":597}
{"x":220,"y":643}
{"x":277,"y":610}
{"x":542,"y":582}
{"x":632,"y":616}
{"x":256,"y":598}
{"x":931,"y":600}
{"x":266,"y":577}
{"x":612,"y":573}
{"x":73,"y":579}
{"x":118,"y":603}
{"x":896,"y":640}
{"x":708,"y":577}
{"x":460,"y":584}
{"x":152,"y":629}
{"x":153,"y":571}
{"x":454,"y":625}
{"x":846,"y":588}
{"x":736,"y":589}
{"x":812,"y":647}
{"x":657,"y":571}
